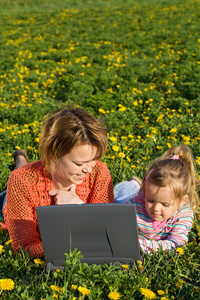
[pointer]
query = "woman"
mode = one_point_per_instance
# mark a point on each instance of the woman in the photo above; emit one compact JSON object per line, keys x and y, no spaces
{"x":69,"y":172}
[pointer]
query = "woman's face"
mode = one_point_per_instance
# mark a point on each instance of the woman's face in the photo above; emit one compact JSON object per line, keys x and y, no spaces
{"x":74,"y":166}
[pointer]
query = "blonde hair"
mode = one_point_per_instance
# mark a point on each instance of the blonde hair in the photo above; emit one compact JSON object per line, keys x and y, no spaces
{"x":176,"y":169}
{"x":65,"y":129}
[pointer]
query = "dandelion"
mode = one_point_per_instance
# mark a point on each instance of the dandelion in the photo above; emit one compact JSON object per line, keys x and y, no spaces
{"x":169,"y":145}
{"x":180,"y":250}
{"x":121,"y":154}
{"x":125,"y":266}
{"x":148,"y":294}
{"x":130,"y":136}
{"x":164,"y":298}
{"x":54,"y":288}
{"x":135,"y":103}
{"x":7,"y":284}
{"x":159,"y":147}
{"x":173,"y":130}
{"x":74,"y":287}
{"x":1,"y":249}
{"x":115,"y":148}
{"x":114,"y":295}
{"x":113,"y":139}
{"x":8,"y":242}
{"x":160,"y":292}
{"x":140,"y":266}
{"x":38,"y":261}
{"x":179,"y":283}
{"x":102,"y":111}
{"x":83,"y":291}
{"x":122,"y":109}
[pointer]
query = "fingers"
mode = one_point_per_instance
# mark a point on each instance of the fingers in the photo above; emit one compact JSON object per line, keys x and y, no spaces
{"x":73,"y":188}
{"x":53,"y":192}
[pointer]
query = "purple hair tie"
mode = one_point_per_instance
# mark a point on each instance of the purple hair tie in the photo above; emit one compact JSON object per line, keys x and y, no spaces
{"x":149,"y":174}
{"x":175,"y":157}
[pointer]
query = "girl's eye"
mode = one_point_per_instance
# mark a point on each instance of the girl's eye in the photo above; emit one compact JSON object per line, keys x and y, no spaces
{"x":150,"y":201}
{"x":166,"y":205}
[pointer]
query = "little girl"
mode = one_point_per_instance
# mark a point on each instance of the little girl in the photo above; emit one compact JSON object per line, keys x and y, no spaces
{"x":166,"y":200}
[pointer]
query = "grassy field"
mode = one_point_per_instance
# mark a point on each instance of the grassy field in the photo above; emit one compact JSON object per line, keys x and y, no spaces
{"x":134,"y":64}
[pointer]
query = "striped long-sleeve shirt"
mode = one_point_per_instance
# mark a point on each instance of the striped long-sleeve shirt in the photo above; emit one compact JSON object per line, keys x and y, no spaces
{"x":167,"y":234}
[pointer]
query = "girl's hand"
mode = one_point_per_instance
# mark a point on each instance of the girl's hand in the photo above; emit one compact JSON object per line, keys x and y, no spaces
{"x":62,"y":196}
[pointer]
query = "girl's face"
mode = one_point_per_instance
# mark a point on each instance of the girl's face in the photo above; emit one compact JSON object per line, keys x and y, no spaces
{"x":74,"y":166}
{"x":159,"y":203}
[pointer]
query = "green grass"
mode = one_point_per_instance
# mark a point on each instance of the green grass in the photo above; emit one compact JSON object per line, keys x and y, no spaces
{"x":136,"y":65}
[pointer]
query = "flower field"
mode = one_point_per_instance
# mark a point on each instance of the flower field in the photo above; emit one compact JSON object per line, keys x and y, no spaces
{"x":134,"y":64}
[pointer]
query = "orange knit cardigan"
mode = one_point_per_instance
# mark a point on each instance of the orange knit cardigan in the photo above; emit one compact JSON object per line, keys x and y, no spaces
{"x":29,"y":186}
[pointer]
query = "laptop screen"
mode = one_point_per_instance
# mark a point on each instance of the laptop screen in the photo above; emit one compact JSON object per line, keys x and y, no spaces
{"x":104,"y":233}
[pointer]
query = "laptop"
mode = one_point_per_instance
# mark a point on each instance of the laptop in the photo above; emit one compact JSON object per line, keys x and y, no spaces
{"x":104,"y":233}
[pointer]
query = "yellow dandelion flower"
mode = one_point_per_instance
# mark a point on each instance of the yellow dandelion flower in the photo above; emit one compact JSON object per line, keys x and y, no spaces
{"x":17,"y":147}
{"x":122,"y":155}
{"x":173,"y":130}
{"x":164,"y":298}
{"x":130,"y":136}
{"x":1,"y":249}
{"x":113,"y":139}
{"x":135,"y":103}
{"x":114,"y":295}
{"x":9,"y":154}
{"x":38,"y":261}
{"x":115,"y":148}
{"x":159,"y":147}
{"x":148,"y":294}
{"x":180,"y":250}
{"x":102,"y":111}
{"x":7,"y":284}
{"x":169,"y":145}
{"x":8,"y":242}
{"x":54,"y":296}
{"x":141,"y":267}
{"x":84,"y":291}
{"x":122,"y":109}
{"x":160,"y":292}
{"x":128,"y":158}
{"x":54,"y":288}
{"x":74,"y":287}
{"x":125,"y":266}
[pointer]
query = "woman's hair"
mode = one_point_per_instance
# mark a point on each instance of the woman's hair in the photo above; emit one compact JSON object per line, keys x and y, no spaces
{"x":65,"y":129}
{"x":176,"y":169}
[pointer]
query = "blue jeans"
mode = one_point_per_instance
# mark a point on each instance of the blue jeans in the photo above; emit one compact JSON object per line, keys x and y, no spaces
{"x":2,"y":202}
{"x":125,"y":191}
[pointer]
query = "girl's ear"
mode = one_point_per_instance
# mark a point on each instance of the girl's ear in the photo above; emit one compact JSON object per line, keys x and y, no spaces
{"x":184,"y":200}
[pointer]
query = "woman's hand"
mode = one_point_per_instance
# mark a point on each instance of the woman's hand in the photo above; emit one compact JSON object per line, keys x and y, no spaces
{"x":62,"y":196}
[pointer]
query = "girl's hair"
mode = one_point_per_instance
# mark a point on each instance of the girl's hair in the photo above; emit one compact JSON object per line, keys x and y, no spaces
{"x":176,"y":169}
{"x":65,"y":129}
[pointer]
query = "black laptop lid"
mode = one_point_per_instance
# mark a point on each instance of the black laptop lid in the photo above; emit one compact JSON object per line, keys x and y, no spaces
{"x":104,"y":233}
